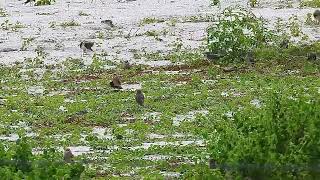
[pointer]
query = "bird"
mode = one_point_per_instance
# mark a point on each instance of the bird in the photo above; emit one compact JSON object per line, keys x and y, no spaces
{"x":108,"y":22}
{"x":85,"y":46}
{"x":312,"y":56}
{"x":126,"y":65}
{"x":116,"y":83}
{"x":212,"y":164}
{"x":316,"y":15}
{"x":139,"y":97}
{"x":68,"y":156}
{"x":29,"y":1}
{"x":284,"y":44}
{"x":250,"y":57}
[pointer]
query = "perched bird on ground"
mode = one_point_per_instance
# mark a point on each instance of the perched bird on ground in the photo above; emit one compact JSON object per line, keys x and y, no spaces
{"x":212,"y":164}
{"x":312,"y":56}
{"x":284,"y":44}
{"x":85,"y":46}
{"x":108,"y":22}
{"x":316,"y":15}
{"x":29,"y":1}
{"x":126,"y":65}
{"x":116,"y":83}
{"x":250,"y":57}
{"x":68,"y":156}
{"x":139,"y":97}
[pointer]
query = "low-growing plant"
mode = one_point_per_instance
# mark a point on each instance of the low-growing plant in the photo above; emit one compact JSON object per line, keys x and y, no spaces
{"x":19,"y":163}
{"x":215,"y":2}
{"x":26,"y":43}
{"x":44,"y":2}
{"x":81,"y":13}
{"x":310,"y":3}
{"x":3,"y":13}
{"x":295,"y":28}
{"x":279,"y":141}
{"x":253,"y":3}
{"x":6,"y":25}
{"x":69,"y":24}
{"x":311,"y":21}
{"x":150,"y":20}
{"x":237,"y":32}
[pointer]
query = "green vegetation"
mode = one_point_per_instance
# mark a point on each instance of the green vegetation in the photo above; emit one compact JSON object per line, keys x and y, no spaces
{"x":44,"y":2}
{"x":3,"y":13}
{"x":310,"y":3}
{"x":69,"y":24}
{"x":150,"y":20}
{"x":237,"y":33}
{"x":256,"y":120}
{"x":278,"y":142}
{"x":212,"y":106}
{"x":81,"y":13}
{"x":7,"y":25}
{"x":18,"y":163}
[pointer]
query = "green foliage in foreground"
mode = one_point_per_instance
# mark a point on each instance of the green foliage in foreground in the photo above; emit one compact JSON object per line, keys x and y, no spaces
{"x":281,"y":141}
{"x":19,"y":163}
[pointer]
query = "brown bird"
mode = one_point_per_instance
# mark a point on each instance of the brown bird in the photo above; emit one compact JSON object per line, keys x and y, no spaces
{"x":316,"y":15}
{"x":86,"y":46}
{"x":108,"y":22}
{"x":284,"y":44}
{"x":116,"y":83}
{"x":312,"y":56}
{"x":126,"y":65}
{"x":212,"y":164}
{"x":68,"y":156}
{"x":139,"y":97}
{"x":250,"y":57}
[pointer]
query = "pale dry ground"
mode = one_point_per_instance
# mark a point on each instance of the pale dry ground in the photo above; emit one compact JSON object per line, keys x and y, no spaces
{"x":43,"y":24}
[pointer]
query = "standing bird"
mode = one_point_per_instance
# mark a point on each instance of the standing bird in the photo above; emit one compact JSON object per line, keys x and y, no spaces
{"x":116,"y":83}
{"x":139,"y":97}
{"x":126,"y":65}
{"x":316,"y":15}
{"x":85,"y":46}
{"x":68,"y":156}
{"x":284,"y":44}
{"x":312,"y":56}
{"x":108,"y":23}
{"x":250,"y":58}
{"x":212,"y":164}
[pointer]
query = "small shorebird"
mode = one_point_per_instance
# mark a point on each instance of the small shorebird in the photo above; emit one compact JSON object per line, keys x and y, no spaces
{"x":312,"y":56}
{"x":126,"y":65}
{"x":250,"y":58}
{"x":85,"y":46}
{"x":108,"y":22}
{"x":212,"y":164}
{"x":316,"y":15}
{"x":139,"y":97}
{"x":68,"y":156}
{"x":116,"y":83}
{"x":284,"y":44}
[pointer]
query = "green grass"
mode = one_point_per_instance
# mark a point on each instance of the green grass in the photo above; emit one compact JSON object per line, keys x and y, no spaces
{"x":200,"y":86}
{"x":310,"y":3}
{"x":69,"y":24}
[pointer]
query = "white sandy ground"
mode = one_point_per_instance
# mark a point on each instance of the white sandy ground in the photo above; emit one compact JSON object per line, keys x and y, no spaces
{"x":61,"y":43}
